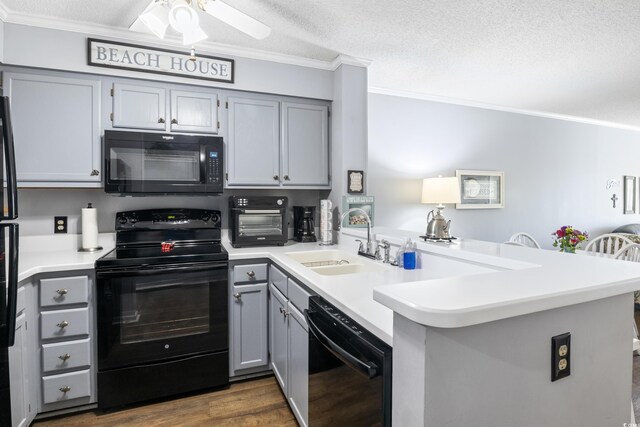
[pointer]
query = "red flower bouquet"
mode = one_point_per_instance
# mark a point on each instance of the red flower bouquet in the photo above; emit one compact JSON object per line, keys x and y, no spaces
{"x":567,"y":238}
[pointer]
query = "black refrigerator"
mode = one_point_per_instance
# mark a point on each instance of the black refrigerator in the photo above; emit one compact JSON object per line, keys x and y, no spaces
{"x":8,"y":256}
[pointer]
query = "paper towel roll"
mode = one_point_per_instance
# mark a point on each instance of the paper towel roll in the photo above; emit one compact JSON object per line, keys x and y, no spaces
{"x":89,"y":227}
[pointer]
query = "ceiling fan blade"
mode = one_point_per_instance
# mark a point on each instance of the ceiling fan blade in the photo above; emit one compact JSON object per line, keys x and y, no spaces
{"x":236,"y":19}
{"x":138,"y":26}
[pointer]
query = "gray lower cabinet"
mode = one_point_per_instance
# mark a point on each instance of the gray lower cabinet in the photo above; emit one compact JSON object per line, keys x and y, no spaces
{"x":67,"y":369}
{"x":23,"y":396}
{"x":289,"y":341}
{"x":56,"y":126}
{"x":305,"y":144}
{"x":250,"y":326}
{"x":248,"y":318}
{"x":278,"y":343}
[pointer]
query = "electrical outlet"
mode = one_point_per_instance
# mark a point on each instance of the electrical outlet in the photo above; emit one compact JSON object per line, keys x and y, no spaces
{"x":59,"y":224}
{"x":560,"y":356}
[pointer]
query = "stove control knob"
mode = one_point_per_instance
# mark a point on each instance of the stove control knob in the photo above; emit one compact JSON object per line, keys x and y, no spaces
{"x":133,"y":220}
{"x":205,"y":217}
{"x":215,"y":218}
{"x":122,"y":220}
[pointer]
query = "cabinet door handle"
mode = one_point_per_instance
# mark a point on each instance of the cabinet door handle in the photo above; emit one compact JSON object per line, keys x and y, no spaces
{"x":174,"y":121}
{"x":276,"y":177}
{"x":65,"y":389}
{"x":94,"y":172}
{"x":64,"y":357}
{"x":62,"y":324}
{"x":251,"y":274}
{"x":286,"y":178}
{"x":283,"y":312}
{"x":160,"y":120}
{"x":62,"y":292}
{"x":237,"y":296}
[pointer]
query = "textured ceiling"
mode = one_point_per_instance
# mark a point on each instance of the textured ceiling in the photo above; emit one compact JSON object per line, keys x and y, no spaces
{"x":572,"y":57}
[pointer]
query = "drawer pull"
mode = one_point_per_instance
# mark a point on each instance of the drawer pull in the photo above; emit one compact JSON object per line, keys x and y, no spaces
{"x":62,"y":292}
{"x":251,"y":274}
{"x":62,"y":324}
{"x":64,"y":357}
{"x":65,"y":389}
{"x":237,"y":296}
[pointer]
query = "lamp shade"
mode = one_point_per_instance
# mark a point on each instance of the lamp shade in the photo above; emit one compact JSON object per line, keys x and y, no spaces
{"x":440,"y":190}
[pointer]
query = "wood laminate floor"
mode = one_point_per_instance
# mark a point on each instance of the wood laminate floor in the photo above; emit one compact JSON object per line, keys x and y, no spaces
{"x":250,"y":403}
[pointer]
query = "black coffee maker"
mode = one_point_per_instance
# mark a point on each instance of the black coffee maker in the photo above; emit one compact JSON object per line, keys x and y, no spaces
{"x":304,"y":224}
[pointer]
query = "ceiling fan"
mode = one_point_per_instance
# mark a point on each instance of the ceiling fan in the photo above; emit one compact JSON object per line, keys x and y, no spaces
{"x":183,"y":17}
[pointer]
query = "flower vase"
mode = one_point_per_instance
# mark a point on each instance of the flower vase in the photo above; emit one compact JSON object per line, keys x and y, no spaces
{"x":569,"y":249}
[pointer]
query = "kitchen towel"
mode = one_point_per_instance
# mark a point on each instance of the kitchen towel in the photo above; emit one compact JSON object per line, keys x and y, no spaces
{"x":89,"y":227}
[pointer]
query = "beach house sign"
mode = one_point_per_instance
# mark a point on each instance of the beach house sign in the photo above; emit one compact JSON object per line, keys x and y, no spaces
{"x":103,"y":53}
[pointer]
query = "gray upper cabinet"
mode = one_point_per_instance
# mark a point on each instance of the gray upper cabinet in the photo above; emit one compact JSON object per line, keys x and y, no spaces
{"x":273,"y":143}
{"x":305,"y":144}
{"x":139,"y":107}
{"x":56,"y":127}
{"x":253,"y":153}
{"x":194,"y":112}
{"x":250,"y":321}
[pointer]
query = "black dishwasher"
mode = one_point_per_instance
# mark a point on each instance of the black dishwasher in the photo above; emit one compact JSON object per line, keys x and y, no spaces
{"x":349,"y":370}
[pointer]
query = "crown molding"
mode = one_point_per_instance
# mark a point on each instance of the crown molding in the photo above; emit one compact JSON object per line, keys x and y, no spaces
{"x":476,"y":104}
{"x":171,"y":41}
{"x":349,"y":60}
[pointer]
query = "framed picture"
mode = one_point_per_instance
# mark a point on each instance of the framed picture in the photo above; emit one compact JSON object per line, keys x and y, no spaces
{"x":355,"y":181}
{"x":629,"y":194}
{"x":356,"y":219}
{"x":480,"y":189}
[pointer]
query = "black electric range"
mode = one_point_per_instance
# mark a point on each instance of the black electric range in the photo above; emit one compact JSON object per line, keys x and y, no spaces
{"x":162,"y":298}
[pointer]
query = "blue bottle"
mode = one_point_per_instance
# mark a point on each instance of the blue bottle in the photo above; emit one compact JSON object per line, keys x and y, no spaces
{"x":409,"y":257}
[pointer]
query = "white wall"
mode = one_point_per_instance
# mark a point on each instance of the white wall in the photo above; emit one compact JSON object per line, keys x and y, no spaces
{"x":556,"y":171}
{"x":37,"y":207}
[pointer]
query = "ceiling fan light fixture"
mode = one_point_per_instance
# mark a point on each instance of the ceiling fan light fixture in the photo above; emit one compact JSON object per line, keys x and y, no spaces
{"x":156,"y":18}
{"x":183,"y":17}
{"x":193,"y":35}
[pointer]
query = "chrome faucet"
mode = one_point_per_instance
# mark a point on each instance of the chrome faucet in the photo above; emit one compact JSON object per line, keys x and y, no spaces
{"x":368,"y":251}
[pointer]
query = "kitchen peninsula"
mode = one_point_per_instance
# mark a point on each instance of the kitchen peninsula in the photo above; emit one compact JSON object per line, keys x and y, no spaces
{"x":471,"y":328}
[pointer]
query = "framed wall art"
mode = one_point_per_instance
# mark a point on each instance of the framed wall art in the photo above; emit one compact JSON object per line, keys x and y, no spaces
{"x":356,"y":219}
{"x":355,"y":181}
{"x":480,"y":189}
{"x":629,"y":194}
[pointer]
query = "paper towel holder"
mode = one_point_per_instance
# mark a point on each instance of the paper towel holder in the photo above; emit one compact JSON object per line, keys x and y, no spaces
{"x":95,"y":249}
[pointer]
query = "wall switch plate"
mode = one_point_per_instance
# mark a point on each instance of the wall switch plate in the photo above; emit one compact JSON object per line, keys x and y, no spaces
{"x":60,"y":224}
{"x":560,"y":356}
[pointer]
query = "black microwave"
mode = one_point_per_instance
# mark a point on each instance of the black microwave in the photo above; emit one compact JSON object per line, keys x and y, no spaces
{"x":158,"y":163}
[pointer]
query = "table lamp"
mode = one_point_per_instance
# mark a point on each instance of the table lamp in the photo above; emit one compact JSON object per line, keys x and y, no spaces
{"x":439,"y":190}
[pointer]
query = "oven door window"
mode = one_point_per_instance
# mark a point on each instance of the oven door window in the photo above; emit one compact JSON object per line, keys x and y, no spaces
{"x":154,"y":315}
{"x":260,"y":224}
{"x":154,"y":164}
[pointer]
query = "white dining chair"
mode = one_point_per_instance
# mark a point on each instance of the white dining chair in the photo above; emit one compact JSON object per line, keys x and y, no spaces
{"x":610,"y":243}
{"x":630,"y":252}
{"x":525,"y":239}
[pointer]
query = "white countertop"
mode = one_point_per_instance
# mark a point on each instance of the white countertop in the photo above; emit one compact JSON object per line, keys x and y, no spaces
{"x":544,"y":280}
{"x":46,"y":254}
{"x":460,"y":284}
